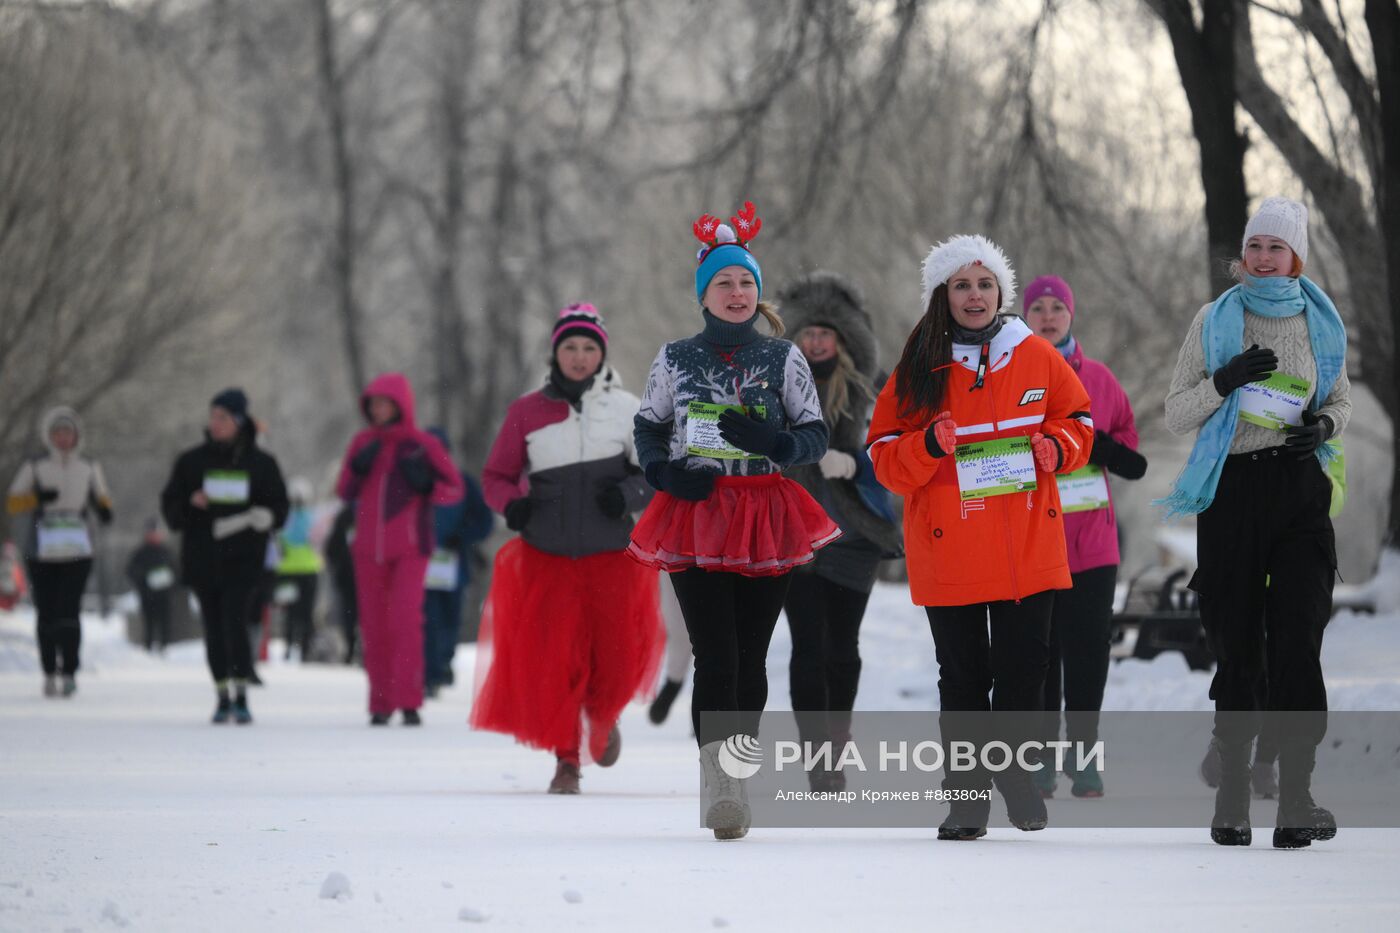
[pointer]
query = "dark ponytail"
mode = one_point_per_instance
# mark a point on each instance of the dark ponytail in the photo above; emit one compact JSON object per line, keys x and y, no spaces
{"x":921,"y":379}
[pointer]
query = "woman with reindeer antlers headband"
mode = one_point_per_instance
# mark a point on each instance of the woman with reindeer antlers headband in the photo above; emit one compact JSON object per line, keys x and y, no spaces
{"x":724,"y":413}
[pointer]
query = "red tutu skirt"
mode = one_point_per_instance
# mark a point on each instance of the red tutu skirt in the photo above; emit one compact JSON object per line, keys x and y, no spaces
{"x":565,"y":643}
{"x":757,"y":526}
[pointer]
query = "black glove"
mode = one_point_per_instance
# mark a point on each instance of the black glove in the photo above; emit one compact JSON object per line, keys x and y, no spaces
{"x":104,"y":513}
{"x":1305,"y":438}
{"x":417,"y":472}
{"x":1118,"y":459}
{"x":752,"y":435}
{"x":360,"y":463}
{"x":518,"y":513}
{"x":675,"y":479}
{"x":1253,"y":365}
{"x":452,"y":542}
{"x":46,"y":495}
{"x":612,"y":502}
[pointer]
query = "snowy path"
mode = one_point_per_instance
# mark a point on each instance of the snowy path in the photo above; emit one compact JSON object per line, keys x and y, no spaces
{"x":124,"y":808}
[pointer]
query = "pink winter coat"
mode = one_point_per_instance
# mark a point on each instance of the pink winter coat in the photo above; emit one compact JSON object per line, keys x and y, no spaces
{"x":392,"y":519}
{"x":1093,"y":536}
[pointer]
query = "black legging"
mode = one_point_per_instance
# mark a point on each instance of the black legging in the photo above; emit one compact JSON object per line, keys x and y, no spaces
{"x":299,"y":616}
{"x":58,"y":600}
{"x":730,"y":619}
{"x":824,"y":618}
{"x":1080,"y":628}
{"x":225,"y":608}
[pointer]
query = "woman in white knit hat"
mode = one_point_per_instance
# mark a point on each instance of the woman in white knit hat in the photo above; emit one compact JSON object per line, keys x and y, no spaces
{"x":1262,"y":380}
{"x":971,"y":428}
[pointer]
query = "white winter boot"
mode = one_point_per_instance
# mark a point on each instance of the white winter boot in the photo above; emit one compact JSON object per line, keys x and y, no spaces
{"x":726,"y":798}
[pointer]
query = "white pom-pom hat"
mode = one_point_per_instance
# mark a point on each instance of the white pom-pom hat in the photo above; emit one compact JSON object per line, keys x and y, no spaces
{"x":962,"y":251}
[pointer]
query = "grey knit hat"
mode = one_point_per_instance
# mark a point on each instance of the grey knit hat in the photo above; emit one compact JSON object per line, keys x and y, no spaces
{"x":1282,"y":218}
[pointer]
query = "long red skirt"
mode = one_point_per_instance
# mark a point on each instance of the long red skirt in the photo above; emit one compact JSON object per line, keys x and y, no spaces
{"x":565,"y":643}
{"x":752,"y":525}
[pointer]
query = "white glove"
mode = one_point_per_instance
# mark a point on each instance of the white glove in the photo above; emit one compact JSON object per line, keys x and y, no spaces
{"x":232,"y":524}
{"x":260,"y":518}
{"x":837,"y":465}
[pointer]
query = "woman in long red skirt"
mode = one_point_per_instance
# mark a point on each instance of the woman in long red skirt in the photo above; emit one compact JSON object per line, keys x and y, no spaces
{"x":571,"y":629}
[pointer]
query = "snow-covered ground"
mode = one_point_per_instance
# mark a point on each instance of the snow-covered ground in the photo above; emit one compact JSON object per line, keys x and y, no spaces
{"x":124,"y":808}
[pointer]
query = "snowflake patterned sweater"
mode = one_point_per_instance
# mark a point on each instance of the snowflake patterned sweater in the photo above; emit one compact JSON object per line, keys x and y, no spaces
{"x":730,"y":364}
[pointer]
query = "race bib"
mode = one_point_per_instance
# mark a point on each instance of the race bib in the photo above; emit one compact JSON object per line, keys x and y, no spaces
{"x":1275,"y":403}
{"x":226,"y":487}
{"x":286,"y":593}
{"x":160,"y":579}
{"x":1083,"y":490}
{"x":442,"y":571}
{"x":63,"y":538}
{"x":995,"y":468}
{"x":702,"y":438}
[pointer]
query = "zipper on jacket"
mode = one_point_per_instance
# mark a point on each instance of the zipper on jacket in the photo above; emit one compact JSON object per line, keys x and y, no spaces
{"x":379,"y":533}
{"x":1006,"y":507}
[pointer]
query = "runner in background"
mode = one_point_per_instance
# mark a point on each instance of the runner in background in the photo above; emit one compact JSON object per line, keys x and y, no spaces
{"x":151,"y":572}
{"x":457,"y":527}
{"x":61,"y":489}
{"x":1081,"y":624}
{"x":225,"y":497}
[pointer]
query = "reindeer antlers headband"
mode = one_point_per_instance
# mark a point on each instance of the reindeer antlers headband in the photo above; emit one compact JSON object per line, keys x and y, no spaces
{"x":724,"y":247}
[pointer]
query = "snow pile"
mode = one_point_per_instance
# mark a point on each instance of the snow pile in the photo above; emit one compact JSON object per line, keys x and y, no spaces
{"x":335,"y":887}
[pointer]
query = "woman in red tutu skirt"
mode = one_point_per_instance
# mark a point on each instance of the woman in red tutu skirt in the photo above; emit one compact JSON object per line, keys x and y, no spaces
{"x":724,"y":413}
{"x":572,"y":627}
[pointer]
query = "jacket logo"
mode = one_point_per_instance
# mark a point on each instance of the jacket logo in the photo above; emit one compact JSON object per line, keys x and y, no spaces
{"x":1031,"y":395}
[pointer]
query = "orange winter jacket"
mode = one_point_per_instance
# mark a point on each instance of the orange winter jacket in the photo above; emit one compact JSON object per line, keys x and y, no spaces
{"x":998,"y":547}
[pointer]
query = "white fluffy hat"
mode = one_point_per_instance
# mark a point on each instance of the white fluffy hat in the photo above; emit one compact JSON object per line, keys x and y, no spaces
{"x":1283,"y":218}
{"x":964,"y":250}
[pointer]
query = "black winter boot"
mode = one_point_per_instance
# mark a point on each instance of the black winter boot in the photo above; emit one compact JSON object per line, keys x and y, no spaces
{"x":966,"y":821}
{"x":1230,"y":825}
{"x":1025,"y":808}
{"x":1300,"y":819}
{"x":661,"y":706}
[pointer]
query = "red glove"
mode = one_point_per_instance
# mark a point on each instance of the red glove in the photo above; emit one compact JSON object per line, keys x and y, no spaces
{"x":942,"y":436}
{"x":1047,"y":453}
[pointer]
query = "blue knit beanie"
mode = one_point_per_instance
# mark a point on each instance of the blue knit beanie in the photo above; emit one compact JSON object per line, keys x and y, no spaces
{"x":724,"y":248}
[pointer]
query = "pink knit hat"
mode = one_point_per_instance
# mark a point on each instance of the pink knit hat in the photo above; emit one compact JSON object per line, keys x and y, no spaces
{"x":1051,"y":285}
{"x":580,"y":320}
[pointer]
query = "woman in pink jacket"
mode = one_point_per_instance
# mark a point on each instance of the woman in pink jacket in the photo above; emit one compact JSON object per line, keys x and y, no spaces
{"x":395,"y":474}
{"x":1081,"y":623}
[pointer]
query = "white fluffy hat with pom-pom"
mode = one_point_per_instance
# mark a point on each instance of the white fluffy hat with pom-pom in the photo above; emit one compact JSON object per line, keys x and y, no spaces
{"x":965,"y":250}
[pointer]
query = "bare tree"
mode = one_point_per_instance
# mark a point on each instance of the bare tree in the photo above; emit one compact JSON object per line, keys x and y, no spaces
{"x":121,"y":227}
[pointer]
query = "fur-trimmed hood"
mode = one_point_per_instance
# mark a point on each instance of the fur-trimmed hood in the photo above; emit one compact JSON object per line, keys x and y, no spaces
{"x":60,"y":413}
{"x":830,"y":300}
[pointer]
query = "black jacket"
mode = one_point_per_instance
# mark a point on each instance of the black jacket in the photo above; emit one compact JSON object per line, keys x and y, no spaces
{"x":238,"y":558}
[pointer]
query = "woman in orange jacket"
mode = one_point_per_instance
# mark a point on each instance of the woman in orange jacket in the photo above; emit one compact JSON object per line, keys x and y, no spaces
{"x":976,"y":419}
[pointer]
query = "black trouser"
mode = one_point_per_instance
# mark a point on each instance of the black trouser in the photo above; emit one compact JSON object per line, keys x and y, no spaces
{"x":730,"y":619}
{"x":991,"y":656}
{"x":824,"y":618}
{"x":299,"y":615}
{"x":155,"y":617}
{"x":58,"y":601}
{"x":1267,"y":559}
{"x":225,"y":607}
{"x":1081,"y":626}
{"x":347,"y":612}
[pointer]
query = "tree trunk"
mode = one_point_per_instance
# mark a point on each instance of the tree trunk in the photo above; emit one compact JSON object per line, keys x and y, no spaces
{"x":343,"y":238}
{"x":1383,"y":22}
{"x":1205,"y":58}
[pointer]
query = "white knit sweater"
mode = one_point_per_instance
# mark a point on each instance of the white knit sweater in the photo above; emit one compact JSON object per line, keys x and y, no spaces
{"x":1192,"y":398}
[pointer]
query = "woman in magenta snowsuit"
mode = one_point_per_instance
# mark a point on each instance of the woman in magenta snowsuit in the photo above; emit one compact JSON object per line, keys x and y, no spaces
{"x":1082,"y":620}
{"x":395,"y":474}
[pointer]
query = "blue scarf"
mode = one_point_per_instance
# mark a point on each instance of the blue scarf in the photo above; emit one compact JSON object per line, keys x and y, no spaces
{"x":1222,"y":335}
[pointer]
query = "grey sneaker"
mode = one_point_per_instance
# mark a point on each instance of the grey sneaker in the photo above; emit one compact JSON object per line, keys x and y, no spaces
{"x":70,"y":686}
{"x":50,"y":685}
